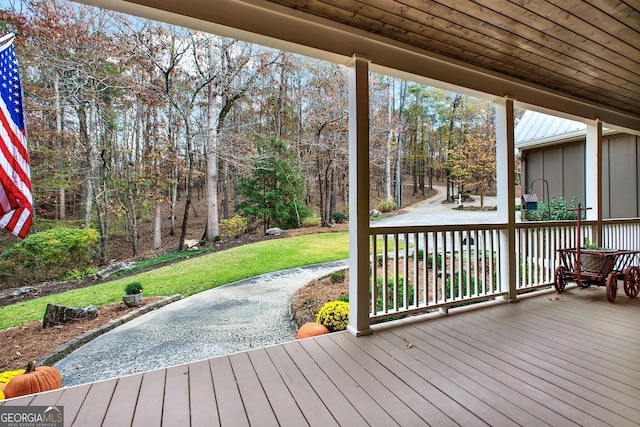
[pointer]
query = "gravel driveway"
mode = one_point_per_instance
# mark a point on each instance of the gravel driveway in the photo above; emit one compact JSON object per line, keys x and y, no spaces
{"x":236,"y":317}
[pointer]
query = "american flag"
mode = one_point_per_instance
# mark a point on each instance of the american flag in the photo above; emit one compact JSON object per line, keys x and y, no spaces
{"x":15,"y":183}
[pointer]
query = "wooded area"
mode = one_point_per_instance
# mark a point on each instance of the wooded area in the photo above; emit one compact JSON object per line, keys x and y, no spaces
{"x":126,"y":117}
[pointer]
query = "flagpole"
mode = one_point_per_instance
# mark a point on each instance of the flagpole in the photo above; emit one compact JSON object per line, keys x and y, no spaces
{"x":7,"y":38}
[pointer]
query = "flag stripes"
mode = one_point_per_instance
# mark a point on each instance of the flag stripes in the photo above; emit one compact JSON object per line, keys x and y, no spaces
{"x":15,"y":182}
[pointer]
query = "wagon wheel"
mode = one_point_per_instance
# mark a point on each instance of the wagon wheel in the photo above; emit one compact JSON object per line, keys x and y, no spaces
{"x":612,"y":286}
{"x":632,"y":281}
{"x":560,"y":278}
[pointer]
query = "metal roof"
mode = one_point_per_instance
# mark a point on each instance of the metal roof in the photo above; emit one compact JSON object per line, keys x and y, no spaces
{"x":538,"y":128}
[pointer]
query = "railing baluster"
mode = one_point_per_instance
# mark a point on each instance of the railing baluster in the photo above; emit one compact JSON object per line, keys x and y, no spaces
{"x":385,"y":274}
{"x":435,"y":266}
{"x":373,"y":273}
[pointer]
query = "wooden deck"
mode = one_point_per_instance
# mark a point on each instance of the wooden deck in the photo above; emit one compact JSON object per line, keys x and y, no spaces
{"x":572,"y":361}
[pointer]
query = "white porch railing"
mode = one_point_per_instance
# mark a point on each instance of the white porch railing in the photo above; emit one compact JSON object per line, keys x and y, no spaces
{"x":536,"y":246}
{"x":621,"y":234}
{"x":422,"y":268}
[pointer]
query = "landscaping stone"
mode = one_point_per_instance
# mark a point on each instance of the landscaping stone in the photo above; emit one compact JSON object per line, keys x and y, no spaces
{"x":57,"y":314}
{"x":105,"y":272}
{"x":23,"y":290}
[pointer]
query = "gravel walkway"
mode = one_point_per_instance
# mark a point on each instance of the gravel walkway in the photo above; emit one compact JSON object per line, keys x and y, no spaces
{"x":236,"y":317}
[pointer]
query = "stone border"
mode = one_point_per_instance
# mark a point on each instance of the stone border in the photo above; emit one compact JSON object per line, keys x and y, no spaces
{"x":62,"y":351}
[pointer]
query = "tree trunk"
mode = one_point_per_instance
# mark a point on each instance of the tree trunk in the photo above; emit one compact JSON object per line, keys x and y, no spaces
{"x":62,"y":199}
{"x":157,"y":228}
{"x":133,"y":220}
{"x":225,"y":189}
{"x":332,"y":202}
{"x":187,"y":203}
{"x":387,"y":157}
{"x":454,"y":107}
{"x":323,"y":217}
{"x":399,"y":145}
{"x":213,"y":114}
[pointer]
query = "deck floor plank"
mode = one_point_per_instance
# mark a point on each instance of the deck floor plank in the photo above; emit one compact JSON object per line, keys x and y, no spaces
{"x":26,"y":400}
{"x":282,"y":402}
{"x":584,"y":399}
{"x":590,"y":313}
{"x":176,"y":408}
{"x":150,"y":400}
{"x":313,"y":408}
{"x":556,"y":398}
{"x":475,"y":398}
{"x":123,"y":403}
{"x":71,"y":399}
{"x":458,"y":413}
{"x":592,"y":363}
{"x":47,"y":398}
{"x":542,"y":361}
{"x":427,"y":412}
{"x":259,"y":410}
{"x":96,"y":404}
{"x":599,"y":323}
{"x":334,"y":398}
{"x":571,"y":336}
{"x":620,"y":398}
{"x":377,"y":389}
{"x":530,"y":411}
{"x":231,"y":409}
{"x":537,"y":400}
{"x":366,"y":406}
{"x":202,"y":397}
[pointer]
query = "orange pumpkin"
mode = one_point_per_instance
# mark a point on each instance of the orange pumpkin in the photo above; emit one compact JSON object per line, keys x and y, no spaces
{"x":311,"y":329}
{"x":34,"y":380}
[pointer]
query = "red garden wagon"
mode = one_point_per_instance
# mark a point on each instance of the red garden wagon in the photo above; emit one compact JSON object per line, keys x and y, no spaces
{"x":601,"y":267}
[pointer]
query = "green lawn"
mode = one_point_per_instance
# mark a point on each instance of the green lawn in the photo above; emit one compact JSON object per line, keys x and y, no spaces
{"x":195,"y":275}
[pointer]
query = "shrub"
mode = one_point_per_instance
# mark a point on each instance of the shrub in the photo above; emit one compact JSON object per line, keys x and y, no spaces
{"x":78,"y":275}
{"x":338,"y":276}
{"x":311,"y":221}
{"x":233,"y":227}
{"x":133,"y":288}
{"x":391,"y":301}
{"x":334,"y":315}
{"x":556,"y":210}
{"x":339,"y":217}
{"x":429,"y":258}
{"x":344,"y":298}
{"x":438,"y":261}
{"x":456,"y":281}
{"x":50,"y":255}
{"x":386,"y":206}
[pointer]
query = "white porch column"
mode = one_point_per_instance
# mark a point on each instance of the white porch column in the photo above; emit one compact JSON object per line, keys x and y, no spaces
{"x":505,"y":166}
{"x":359,"y":197}
{"x":593,"y":175}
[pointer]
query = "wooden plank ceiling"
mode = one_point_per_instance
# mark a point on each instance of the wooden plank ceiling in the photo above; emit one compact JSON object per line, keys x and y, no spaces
{"x":577,"y":57}
{"x":587,"y":49}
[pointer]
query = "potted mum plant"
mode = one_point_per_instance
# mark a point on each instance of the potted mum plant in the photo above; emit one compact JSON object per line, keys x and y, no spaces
{"x":132,"y":294}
